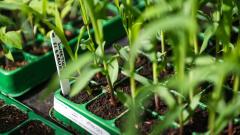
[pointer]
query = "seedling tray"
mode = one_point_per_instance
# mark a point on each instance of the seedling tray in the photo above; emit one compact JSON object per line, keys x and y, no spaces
{"x":82,"y":121}
{"x":79,"y":118}
{"x":31,"y":117}
{"x":16,"y":82}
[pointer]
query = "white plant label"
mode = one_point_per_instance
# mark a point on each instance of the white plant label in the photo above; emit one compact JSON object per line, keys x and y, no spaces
{"x":60,"y":61}
{"x":77,"y":118}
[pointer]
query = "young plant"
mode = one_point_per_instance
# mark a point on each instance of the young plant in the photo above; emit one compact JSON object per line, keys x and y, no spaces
{"x":98,"y":32}
{"x":38,"y":17}
{"x":9,"y":40}
{"x":129,"y":15}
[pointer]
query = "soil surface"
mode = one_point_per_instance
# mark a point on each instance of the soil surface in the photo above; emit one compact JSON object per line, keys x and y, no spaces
{"x":124,"y":87}
{"x":144,"y":127}
{"x":101,"y":79}
{"x":103,"y":108}
{"x":1,"y":103}
{"x":37,"y":49}
{"x":162,"y":106}
{"x":198,"y":123}
{"x":84,"y":96}
{"x":10,"y":117}
{"x":34,"y":128}
{"x":236,"y":130}
{"x":146,"y":70}
{"x":13,"y":65}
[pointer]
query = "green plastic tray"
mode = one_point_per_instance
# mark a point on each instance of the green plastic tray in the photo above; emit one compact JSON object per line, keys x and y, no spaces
{"x":79,"y":118}
{"x":31,"y":116}
{"x":82,"y":121}
{"x":17,"y":82}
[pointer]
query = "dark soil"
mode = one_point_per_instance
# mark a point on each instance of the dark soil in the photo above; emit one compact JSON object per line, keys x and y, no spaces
{"x":34,"y":128}
{"x":141,"y":60}
{"x":104,"y":109}
{"x":1,"y":103}
{"x":146,"y":70}
{"x":144,"y":127}
{"x":162,"y":106}
{"x":10,"y":65}
{"x":84,"y":96}
{"x":37,"y":49}
{"x":10,"y":117}
{"x":198,"y":123}
{"x":124,"y":87}
{"x":101,"y":79}
{"x":236,"y":130}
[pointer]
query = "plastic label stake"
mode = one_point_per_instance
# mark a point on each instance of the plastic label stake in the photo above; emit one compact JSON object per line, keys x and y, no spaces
{"x":60,"y":62}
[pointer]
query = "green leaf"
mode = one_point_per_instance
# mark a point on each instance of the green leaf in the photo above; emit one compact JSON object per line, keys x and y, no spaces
{"x":165,"y":94}
{"x":37,"y":5}
{"x":142,"y":79}
{"x":11,"y":39}
{"x":211,"y":29}
{"x":122,"y":51}
{"x":80,"y":35}
{"x":58,"y":20}
{"x":83,"y":80}
{"x":168,"y":120}
{"x":169,"y":23}
{"x":124,"y":98}
{"x":5,"y":21}
{"x":44,"y":7}
{"x":9,"y":55}
{"x":113,"y":69}
{"x":76,"y":65}
{"x":195,"y":102}
{"x":204,"y":60}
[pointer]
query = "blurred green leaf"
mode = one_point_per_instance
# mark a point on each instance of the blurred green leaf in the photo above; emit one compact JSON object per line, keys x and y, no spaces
{"x":12,"y":39}
{"x":77,"y":65}
{"x":113,"y":68}
{"x":124,"y":98}
{"x":83,"y":80}
{"x":211,"y":29}
{"x":58,"y":20}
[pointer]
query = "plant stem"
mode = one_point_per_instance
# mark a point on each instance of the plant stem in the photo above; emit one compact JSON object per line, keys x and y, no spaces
{"x":191,"y":89}
{"x":230,"y":128}
{"x":236,"y":85}
{"x":180,"y":73}
{"x":195,"y":43}
{"x":216,"y":95}
{"x":162,"y":42}
{"x":211,"y":121}
{"x":111,"y":91}
{"x":181,"y":117}
{"x":155,"y":81}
